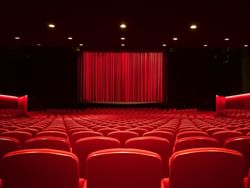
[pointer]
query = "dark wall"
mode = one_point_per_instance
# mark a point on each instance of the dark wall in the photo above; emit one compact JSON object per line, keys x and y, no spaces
{"x":194,"y":76}
{"x":47,"y":75}
{"x":197,"y":75}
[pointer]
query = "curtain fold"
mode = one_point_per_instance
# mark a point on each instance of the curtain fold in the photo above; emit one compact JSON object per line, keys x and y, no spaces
{"x":121,"y":77}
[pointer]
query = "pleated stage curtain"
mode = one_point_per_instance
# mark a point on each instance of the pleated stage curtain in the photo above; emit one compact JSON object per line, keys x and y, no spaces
{"x":124,"y":77}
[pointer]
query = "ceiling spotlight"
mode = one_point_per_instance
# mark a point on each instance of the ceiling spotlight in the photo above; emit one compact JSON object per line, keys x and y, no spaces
{"x":51,"y":26}
{"x":123,"y":26}
{"x":122,"y":38}
{"x":164,"y":45}
{"x":175,"y":38}
{"x":226,"y":39}
{"x":81,"y":44}
{"x":193,"y":26}
{"x":204,"y":45}
{"x":245,"y":45}
{"x":122,"y":44}
{"x":70,"y":38}
{"x":17,"y":38}
{"x":39,"y":44}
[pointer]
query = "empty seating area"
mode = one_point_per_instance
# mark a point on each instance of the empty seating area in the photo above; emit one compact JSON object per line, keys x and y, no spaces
{"x":125,"y":148}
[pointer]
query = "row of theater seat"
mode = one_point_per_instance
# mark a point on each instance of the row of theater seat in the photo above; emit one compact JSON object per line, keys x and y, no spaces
{"x":161,"y":134}
{"x":123,"y":168}
{"x":188,"y":136}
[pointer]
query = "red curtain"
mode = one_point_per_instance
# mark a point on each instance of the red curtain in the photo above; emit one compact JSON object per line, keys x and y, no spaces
{"x":121,"y":77}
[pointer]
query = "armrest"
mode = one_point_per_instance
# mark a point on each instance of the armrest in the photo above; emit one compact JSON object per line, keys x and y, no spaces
{"x":81,"y":183}
{"x":165,"y":183}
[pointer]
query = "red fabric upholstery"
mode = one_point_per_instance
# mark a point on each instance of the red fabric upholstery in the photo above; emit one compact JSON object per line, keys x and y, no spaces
{"x":124,"y":168}
{"x":122,"y":136}
{"x":8,"y":144}
{"x":155,"y":144}
{"x":40,"y":168}
{"x":53,"y":133}
{"x":83,"y":134}
{"x":20,"y":135}
{"x":206,"y":168}
{"x":195,"y":142}
{"x":83,"y":147}
{"x":241,"y":144}
{"x":48,"y":142}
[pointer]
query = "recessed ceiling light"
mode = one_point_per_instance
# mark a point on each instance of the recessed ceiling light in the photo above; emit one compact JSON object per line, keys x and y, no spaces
{"x":81,"y":44}
{"x":164,"y":45}
{"x":70,"y":38}
{"x":123,"y":26}
{"x":38,"y":44}
{"x":204,"y":45}
{"x":226,"y":39}
{"x":175,"y":38}
{"x":17,"y":38}
{"x":51,"y":25}
{"x":193,"y":26}
{"x":245,"y":45}
{"x":122,"y":44}
{"x":122,"y":38}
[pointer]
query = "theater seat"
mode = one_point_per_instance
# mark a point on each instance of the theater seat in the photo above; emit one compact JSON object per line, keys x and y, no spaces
{"x":164,"y":134}
{"x":22,"y":136}
{"x":83,"y":147}
{"x":124,"y":168}
{"x":53,"y":133}
{"x":8,"y":144}
{"x":122,"y":136}
{"x":221,"y":136}
{"x":206,"y":168}
{"x":83,"y":134}
{"x":195,"y":142}
{"x":241,"y":144}
{"x":40,"y":168}
{"x":155,"y":144}
{"x":48,"y":142}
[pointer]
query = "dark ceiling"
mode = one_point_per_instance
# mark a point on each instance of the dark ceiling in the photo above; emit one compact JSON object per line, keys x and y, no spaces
{"x":150,"y":23}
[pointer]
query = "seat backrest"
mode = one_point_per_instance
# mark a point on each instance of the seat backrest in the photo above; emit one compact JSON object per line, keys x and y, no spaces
{"x":124,"y":168}
{"x":53,"y":133}
{"x":195,"y":142}
{"x":191,"y":133}
{"x":221,"y":136}
{"x":83,"y":147}
{"x":8,"y":144}
{"x":122,"y":136}
{"x":48,"y":142}
{"x":22,"y":136}
{"x":206,"y":168}
{"x":164,"y":134}
{"x":155,"y":144}
{"x":40,"y":168}
{"x":241,"y":144}
{"x":83,"y":134}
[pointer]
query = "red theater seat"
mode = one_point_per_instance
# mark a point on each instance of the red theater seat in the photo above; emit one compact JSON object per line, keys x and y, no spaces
{"x":206,"y":168}
{"x":122,"y":136}
{"x":124,"y":168}
{"x":107,"y":130}
{"x":221,"y":136}
{"x":241,"y":144}
{"x":155,"y":144}
{"x":53,"y":133}
{"x":191,"y":133}
{"x":83,"y":134}
{"x":164,"y":134}
{"x":195,"y":142}
{"x":22,"y":136}
{"x":40,"y":168}
{"x":8,"y":144}
{"x":48,"y":142}
{"x":83,"y":147}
